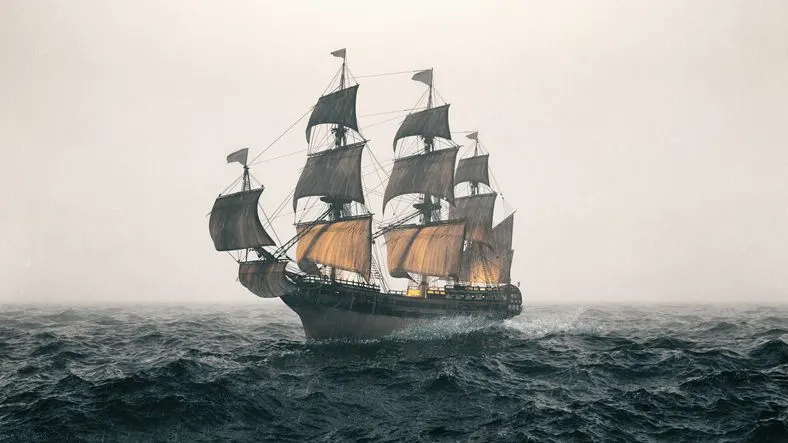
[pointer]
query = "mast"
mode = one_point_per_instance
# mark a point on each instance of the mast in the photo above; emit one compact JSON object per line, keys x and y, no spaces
{"x":247,"y":184}
{"x":336,"y":239}
{"x":426,"y":206}
{"x":340,"y":139}
{"x":413,"y":252}
{"x":475,"y":183}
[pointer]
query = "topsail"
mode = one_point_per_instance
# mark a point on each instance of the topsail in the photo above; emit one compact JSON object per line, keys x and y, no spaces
{"x":334,"y":173}
{"x":472,"y":169}
{"x":336,"y":108}
{"x":477,"y":211}
{"x":432,"y":122}
{"x":430,"y":173}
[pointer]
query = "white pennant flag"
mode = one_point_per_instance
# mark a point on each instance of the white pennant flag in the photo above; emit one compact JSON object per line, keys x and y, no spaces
{"x":238,"y":156}
{"x":339,"y":53}
{"x":473,"y":135}
{"x":424,"y":77}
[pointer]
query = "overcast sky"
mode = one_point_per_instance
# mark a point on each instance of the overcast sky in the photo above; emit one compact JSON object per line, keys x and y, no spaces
{"x":644,"y":144}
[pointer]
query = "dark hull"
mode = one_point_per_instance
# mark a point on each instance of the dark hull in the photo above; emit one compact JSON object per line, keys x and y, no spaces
{"x":344,"y":310}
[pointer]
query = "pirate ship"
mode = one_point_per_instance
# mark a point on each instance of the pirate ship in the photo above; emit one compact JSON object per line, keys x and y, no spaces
{"x":453,"y":261}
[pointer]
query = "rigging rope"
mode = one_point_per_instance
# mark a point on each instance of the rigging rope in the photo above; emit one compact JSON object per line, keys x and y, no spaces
{"x":387,"y":73}
{"x":277,"y":158}
{"x":281,"y":135}
{"x":389,"y":112}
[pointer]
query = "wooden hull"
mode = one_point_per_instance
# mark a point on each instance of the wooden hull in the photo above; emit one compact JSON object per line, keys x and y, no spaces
{"x":341,"y":310}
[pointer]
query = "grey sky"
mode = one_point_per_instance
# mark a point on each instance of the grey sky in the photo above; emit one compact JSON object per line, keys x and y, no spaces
{"x":643,"y":144}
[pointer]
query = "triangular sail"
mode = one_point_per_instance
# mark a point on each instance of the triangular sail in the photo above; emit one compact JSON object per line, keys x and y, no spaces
{"x":334,"y":173}
{"x":265,"y":279}
{"x":337,"y":108}
{"x":472,"y":169}
{"x":431,"y":173}
{"x":343,"y":244}
{"x":432,"y":122}
{"x":502,"y":234}
{"x":234,"y":223}
{"x":432,"y":249}
{"x":477,"y":211}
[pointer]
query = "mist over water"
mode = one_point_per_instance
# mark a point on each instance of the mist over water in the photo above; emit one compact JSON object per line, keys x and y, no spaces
{"x":555,"y":373}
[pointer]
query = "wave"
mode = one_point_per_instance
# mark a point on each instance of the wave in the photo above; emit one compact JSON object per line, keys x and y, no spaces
{"x":552,"y":374}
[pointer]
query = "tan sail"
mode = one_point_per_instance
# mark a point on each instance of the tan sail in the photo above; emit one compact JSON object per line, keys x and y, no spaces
{"x":472,"y":169}
{"x":234,"y":223}
{"x":432,"y":122}
{"x":484,"y":265}
{"x":477,"y":211}
{"x":432,"y":249}
{"x":334,"y":173}
{"x":265,"y":279}
{"x":343,"y":244}
{"x":336,"y":108}
{"x":431,"y":173}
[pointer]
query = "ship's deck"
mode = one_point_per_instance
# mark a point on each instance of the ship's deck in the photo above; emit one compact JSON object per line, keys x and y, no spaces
{"x":504,"y":300}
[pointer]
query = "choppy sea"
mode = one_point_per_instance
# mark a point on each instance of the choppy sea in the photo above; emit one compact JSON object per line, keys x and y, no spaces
{"x":246,"y":373}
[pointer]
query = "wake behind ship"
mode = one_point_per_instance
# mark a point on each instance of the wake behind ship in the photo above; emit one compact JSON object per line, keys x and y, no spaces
{"x":455,"y":262}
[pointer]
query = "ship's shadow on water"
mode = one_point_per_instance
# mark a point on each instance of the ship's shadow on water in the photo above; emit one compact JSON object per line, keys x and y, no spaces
{"x":555,"y":373}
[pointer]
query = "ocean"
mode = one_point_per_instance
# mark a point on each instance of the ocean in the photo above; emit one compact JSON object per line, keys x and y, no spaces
{"x":246,"y":373}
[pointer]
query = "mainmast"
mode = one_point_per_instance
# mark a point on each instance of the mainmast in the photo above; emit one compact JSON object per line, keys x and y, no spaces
{"x":426,"y":206}
{"x":430,"y":248}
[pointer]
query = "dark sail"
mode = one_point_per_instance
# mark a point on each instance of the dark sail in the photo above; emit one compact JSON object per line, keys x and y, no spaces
{"x":234,"y":223}
{"x":336,"y":108}
{"x":477,"y":211}
{"x":432,"y":122}
{"x":472,"y":169}
{"x":265,"y":279}
{"x":502,"y":234}
{"x":334,"y":173}
{"x":431,"y":173}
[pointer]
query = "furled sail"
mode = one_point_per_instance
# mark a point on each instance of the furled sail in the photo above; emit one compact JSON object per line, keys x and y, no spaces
{"x":265,"y":279}
{"x":344,"y":244}
{"x":234,"y":223}
{"x":336,"y":108}
{"x":334,"y":173}
{"x":432,"y":249}
{"x":432,"y":122}
{"x":431,"y":173}
{"x":472,"y":169}
{"x":477,"y":211}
